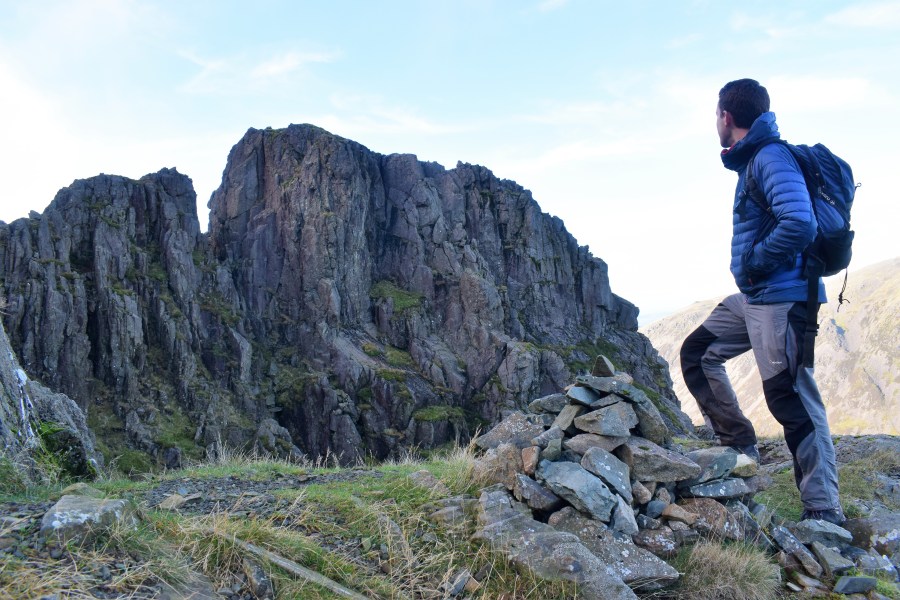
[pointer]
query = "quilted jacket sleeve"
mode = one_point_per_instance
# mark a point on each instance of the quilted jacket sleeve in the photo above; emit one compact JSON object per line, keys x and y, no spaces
{"x":794,"y":226}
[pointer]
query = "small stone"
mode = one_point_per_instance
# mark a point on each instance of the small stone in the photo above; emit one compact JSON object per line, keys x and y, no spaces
{"x":807,"y":582}
{"x":645,"y":522}
{"x":687,"y":536}
{"x":745,"y":466}
{"x":549,"y":404}
{"x":623,"y":518}
{"x":515,"y":429}
{"x":654,"y":509}
{"x":661,"y":542}
{"x":640,"y":493}
{"x":426,"y":479}
{"x":603,"y":367}
{"x":663,"y":495}
{"x":531,"y":456}
{"x":564,"y":420}
{"x":673,"y":512}
{"x":554,"y":433}
{"x":172,"y":502}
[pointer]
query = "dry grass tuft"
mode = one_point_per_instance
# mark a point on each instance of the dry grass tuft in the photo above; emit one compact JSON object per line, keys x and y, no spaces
{"x":716,"y":571}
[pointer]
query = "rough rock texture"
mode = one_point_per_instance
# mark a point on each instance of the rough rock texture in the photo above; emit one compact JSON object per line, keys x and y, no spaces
{"x":26,"y":410}
{"x":364,"y":302}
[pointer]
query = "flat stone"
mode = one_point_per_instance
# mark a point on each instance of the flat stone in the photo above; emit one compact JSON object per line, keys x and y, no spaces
{"x":549,"y":404}
{"x":613,"y":420}
{"x":817,"y":530}
{"x":715,"y":463}
{"x":449,"y":516}
{"x":564,"y":420}
{"x":582,"y":395}
{"x":78,"y":518}
{"x":793,"y":546}
{"x":612,"y":471}
{"x":581,"y":443}
{"x":603,"y":385}
{"x":603,"y":367}
{"x":636,"y":566}
{"x":855,"y":585}
{"x":172,"y":502}
{"x":722,"y":488}
{"x":535,"y":495}
{"x":554,"y":433}
{"x":661,"y":542}
{"x":623,"y":518}
{"x":808,"y":582}
{"x":649,"y":462}
{"x":830,"y":559}
{"x":515,"y":429}
{"x":880,"y":532}
{"x":580,"y":488}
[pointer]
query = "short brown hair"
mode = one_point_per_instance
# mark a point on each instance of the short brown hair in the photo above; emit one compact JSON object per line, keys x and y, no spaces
{"x":745,"y":99}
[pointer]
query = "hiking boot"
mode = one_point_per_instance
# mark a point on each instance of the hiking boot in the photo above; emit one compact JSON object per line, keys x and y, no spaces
{"x":834,"y":516}
{"x":752,"y":451}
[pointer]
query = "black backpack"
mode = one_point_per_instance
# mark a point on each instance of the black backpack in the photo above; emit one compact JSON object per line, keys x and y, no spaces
{"x":829,"y":180}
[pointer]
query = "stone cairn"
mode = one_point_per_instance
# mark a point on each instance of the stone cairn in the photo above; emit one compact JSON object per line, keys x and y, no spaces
{"x":586,"y":489}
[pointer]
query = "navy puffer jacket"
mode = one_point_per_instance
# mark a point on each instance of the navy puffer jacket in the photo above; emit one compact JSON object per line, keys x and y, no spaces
{"x":766,"y":249}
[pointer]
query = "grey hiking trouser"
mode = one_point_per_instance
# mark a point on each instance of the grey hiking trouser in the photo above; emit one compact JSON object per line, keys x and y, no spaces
{"x":775,"y":334}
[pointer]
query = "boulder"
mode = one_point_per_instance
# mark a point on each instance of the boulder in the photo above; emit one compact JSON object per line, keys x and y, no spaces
{"x":535,"y":495}
{"x":79,"y":518}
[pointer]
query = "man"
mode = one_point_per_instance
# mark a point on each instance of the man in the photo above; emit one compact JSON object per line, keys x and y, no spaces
{"x":769,"y":315}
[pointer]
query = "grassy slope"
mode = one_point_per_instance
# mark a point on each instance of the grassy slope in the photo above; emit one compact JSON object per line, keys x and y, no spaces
{"x":343,"y":529}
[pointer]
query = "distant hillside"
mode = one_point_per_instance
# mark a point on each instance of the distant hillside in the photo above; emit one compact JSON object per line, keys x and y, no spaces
{"x":857,"y":355}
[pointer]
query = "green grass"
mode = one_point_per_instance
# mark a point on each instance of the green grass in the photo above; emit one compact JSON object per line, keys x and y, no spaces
{"x":403,"y":300}
{"x":855,"y":482}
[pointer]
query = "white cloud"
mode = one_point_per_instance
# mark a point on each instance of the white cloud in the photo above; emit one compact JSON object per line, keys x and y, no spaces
{"x":826,"y":94}
{"x":288,"y":62}
{"x":243,"y":74}
{"x":550,"y":5}
{"x":879,"y":15}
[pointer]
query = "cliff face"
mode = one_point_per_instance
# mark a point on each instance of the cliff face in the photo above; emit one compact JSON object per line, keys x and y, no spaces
{"x":343,"y":301}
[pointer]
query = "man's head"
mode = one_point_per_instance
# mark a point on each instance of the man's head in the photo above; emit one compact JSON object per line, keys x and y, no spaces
{"x":740,"y":103}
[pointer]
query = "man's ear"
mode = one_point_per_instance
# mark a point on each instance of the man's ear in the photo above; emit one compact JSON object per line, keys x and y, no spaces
{"x":727,"y":118}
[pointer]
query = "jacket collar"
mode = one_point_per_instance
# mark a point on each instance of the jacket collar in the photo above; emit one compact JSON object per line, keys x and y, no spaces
{"x":763,"y":129}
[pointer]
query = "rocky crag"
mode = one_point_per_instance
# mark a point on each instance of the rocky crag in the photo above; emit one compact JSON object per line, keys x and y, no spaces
{"x":343,"y":302}
{"x":586,"y":491}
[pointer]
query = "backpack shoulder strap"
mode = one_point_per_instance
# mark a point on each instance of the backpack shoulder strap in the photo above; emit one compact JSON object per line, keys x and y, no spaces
{"x":752,"y":189}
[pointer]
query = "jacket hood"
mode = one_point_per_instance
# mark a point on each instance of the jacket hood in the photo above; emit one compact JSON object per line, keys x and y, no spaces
{"x":763,"y":129}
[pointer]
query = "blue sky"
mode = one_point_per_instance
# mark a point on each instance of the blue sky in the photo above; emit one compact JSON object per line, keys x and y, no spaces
{"x":605,"y":111}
